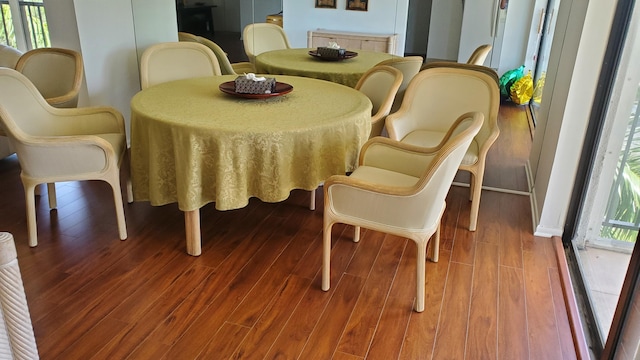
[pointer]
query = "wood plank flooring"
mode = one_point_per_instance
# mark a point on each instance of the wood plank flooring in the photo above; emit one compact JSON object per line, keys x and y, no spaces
{"x":255,"y":291}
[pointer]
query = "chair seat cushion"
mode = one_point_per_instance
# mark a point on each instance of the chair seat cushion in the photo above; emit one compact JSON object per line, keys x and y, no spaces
{"x":426,"y":138}
{"x":383,"y":177}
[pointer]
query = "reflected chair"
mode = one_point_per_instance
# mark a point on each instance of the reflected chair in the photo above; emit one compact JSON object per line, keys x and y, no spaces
{"x":226,"y":67}
{"x":409,"y":66}
{"x":433,"y":98}
{"x":17,"y":340}
{"x":479,"y":55}
{"x":380,"y":84}
{"x":176,"y":60}
{"x":262,"y":37}
{"x":57,"y":73}
{"x":399,"y":189}
{"x":55,"y":145}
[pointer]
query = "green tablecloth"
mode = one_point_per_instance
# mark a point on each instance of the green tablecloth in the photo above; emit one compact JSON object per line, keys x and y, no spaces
{"x":193,"y":144}
{"x":298,"y":62}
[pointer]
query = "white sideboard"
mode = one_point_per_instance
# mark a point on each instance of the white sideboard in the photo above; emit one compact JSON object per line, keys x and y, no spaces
{"x":353,"y":40}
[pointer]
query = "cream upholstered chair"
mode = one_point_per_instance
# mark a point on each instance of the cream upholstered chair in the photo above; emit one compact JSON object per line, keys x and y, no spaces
{"x":9,"y":56}
{"x":176,"y":60}
{"x":17,"y":340}
{"x":398,"y":189}
{"x":436,"y":95}
{"x":479,"y":55}
{"x":409,"y":66}
{"x":57,"y":73}
{"x":262,"y":37}
{"x":56,"y":145}
{"x":380,"y":84}
{"x":226,"y":67}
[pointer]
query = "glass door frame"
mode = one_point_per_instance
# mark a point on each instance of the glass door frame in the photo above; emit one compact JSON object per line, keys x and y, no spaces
{"x":595,"y":129}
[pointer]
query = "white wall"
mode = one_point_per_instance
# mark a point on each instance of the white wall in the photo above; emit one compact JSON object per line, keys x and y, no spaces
{"x":63,"y":32}
{"x":574,"y":67}
{"x":109,"y":51}
{"x":154,"y":21}
{"x":105,"y":34}
{"x":444,"y":30}
{"x":448,"y":42}
{"x":383,"y":17}
{"x":516,"y":35}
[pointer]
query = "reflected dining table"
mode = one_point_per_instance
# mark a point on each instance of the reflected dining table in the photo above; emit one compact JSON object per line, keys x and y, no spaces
{"x":298,"y":62}
{"x":192,"y":144}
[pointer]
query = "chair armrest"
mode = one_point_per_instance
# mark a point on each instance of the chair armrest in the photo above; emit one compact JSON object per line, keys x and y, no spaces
{"x":392,"y":155}
{"x":366,"y":186}
{"x":399,"y":124}
{"x":405,"y":158}
{"x":53,"y":156}
{"x":85,"y":121}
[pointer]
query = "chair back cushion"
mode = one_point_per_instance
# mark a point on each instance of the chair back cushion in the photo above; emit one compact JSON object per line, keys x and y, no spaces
{"x":176,"y":60}
{"x":380,"y":84}
{"x":479,"y":55}
{"x":262,"y":37}
{"x":38,"y":64}
{"x":409,"y":66}
{"x":437,"y":96}
{"x":20,"y":99}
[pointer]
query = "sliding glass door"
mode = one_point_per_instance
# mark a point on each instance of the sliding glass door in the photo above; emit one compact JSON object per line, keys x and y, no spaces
{"x":606,"y":232}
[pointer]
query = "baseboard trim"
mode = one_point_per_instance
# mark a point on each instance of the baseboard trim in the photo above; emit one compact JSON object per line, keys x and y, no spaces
{"x":577,"y":332}
{"x":489,"y":188}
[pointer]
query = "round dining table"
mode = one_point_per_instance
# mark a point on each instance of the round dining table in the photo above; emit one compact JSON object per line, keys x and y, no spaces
{"x":298,"y":62}
{"x":193,"y":144}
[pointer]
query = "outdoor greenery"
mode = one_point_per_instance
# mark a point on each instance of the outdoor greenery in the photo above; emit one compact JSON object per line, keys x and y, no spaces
{"x":7,"y":32}
{"x":34,"y":19}
{"x":624,"y":203}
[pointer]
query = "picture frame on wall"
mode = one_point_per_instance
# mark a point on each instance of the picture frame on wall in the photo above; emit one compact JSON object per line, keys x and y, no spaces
{"x":326,"y":4}
{"x":359,"y":5}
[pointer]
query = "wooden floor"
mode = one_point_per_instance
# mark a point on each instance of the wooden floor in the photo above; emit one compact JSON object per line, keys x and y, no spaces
{"x":255,"y":291}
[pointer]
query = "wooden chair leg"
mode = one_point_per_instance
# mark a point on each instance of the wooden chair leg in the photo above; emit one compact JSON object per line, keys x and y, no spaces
{"x":475,"y":201}
{"x":51,"y":192}
{"x":420,"y":276}
{"x":30,"y":198}
{"x":117,"y":200}
{"x":435,"y":246}
{"x":326,"y":256}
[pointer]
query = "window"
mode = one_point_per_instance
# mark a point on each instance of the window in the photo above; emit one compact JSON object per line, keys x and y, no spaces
{"x":27,"y":30}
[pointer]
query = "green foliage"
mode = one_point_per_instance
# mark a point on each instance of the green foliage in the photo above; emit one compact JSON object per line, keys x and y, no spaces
{"x":624,"y":202}
{"x":36,"y":25}
{"x":7,"y":27}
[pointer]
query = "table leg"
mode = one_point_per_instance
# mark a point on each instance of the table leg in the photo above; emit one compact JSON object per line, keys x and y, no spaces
{"x":312,"y":203}
{"x":192,"y":229}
